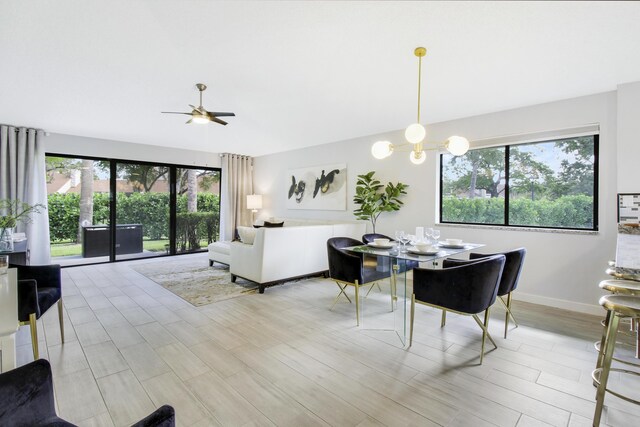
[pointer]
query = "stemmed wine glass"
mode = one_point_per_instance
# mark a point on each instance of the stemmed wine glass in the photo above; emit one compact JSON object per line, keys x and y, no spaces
{"x":428,"y":234}
{"x":436,"y":235}
{"x":403,"y":238}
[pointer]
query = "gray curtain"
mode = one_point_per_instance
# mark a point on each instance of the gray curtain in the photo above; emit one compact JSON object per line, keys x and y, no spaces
{"x":23,"y":177}
{"x":237,"y":183}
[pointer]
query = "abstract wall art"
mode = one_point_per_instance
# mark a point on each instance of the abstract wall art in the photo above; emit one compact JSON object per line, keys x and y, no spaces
{"x":319,"y":187}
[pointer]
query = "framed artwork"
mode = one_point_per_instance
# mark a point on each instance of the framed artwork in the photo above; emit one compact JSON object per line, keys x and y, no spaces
{"x":319,"y":187}
{"x":628,"y":208}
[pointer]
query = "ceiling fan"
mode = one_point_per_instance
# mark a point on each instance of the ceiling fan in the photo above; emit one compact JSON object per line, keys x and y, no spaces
{"x":199,"y":114}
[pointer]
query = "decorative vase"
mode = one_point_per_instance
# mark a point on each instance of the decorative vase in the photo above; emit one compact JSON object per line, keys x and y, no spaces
{"x":6,"y":239}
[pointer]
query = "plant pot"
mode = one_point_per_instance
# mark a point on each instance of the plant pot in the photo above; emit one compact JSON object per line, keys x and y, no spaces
{"x":6,"y":239}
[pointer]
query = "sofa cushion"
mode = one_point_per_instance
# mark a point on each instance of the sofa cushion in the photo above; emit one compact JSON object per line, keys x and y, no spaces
{"x":247,"y":234}
{"x":268,"y":224}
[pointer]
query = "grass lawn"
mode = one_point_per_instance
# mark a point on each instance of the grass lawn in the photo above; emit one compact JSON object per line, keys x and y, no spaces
{"x":70,"y":249}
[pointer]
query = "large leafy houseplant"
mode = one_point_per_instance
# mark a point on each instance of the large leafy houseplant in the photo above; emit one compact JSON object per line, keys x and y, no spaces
{"x":373,"y":198}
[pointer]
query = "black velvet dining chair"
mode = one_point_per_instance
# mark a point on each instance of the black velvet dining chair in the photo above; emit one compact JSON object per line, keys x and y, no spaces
{"x":39,"y":288}
{"x":26,"y":399}
{"x":467,"y":289}
{"x":509,"y":281}
{"x":348,"y":269}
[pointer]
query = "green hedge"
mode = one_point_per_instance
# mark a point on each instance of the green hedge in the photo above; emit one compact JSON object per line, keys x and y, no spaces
{"x":566,"y":211}
{"x":149,"y":209}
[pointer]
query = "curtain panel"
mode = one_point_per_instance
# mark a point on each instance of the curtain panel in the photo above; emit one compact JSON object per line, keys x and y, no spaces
{"x":23,"y":177}
{"x":237,"y":183}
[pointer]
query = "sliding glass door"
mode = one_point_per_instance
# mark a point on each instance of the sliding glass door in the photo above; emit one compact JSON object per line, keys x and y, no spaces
{"x":158,"y":209}
{"x":198,"y":208}
{"x":142,"y":210}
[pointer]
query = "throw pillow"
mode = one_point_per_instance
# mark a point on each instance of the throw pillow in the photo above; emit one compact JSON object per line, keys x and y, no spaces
{"x":268,"y":224}
{"x":247,"y":234}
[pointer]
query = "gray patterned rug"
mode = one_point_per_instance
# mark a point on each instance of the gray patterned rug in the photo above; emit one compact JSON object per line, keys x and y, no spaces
{"x":194,"y":281}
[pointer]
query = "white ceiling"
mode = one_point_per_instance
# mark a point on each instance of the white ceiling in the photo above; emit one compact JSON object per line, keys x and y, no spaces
{"x":297,"y":73}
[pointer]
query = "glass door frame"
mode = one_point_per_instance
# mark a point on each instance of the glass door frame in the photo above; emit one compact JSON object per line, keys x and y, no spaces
{"x":173,"y":198}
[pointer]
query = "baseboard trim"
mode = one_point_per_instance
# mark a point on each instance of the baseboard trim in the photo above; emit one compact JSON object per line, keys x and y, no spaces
{"x":594,"y":309}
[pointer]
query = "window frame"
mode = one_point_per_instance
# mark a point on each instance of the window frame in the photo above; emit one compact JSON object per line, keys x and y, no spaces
{"x":596,"y":179}
{"x":112,"y":205}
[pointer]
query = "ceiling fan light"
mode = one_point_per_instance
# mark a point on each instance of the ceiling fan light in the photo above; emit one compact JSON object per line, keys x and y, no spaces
{"x":417,"y":157}
{"x":381,"y":149}
{"x":415,"y":133}
{"x":200,"y":119}
{"x":457,"y":145}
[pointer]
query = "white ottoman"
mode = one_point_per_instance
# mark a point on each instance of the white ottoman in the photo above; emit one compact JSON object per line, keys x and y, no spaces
{"x":219,"y":252}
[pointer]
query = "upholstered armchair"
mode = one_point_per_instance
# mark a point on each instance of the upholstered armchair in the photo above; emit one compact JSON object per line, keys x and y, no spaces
{"x":39,"y":288}
{"x":467,"y":289}
{"x":348,"y":269}
{"x":26,"y":399}
{"x":509,"y":281}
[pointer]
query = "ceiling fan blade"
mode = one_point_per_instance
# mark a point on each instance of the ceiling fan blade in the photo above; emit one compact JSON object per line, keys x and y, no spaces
{"x":213,"y":113}
{"x":174,"y":112}
{"x":189,"y":121}
{"x":222,"y":122}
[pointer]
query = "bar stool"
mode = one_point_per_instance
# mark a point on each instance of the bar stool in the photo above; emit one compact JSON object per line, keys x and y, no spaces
{"x":617,"y":306}
{"x":623,"y":287}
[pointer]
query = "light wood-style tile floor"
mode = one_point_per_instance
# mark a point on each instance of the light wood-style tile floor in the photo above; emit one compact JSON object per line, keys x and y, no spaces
{"x":282,"y":358}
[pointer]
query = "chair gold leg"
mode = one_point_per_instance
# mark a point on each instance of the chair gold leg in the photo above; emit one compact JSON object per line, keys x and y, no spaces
{"x":444,"y":318}
{"x":342,"y":292}
{"x":509,"y":313}
{"x":61,"y":319}
{"x":357,"y":304}
{"x":34,"y":335}
{"x":479,"y":322}
{"x":603,"y":340}
{"x":484,"y":333}
{"x":612,"y":330}
{"x":413,"y":313}
{"x":374,"y":284}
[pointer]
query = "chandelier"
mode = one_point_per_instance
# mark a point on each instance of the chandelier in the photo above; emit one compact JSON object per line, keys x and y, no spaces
{"x":415,"y":133}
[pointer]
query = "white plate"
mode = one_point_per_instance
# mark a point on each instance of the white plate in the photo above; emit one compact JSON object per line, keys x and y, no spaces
{"x":448,"y":246}
{"x":417,"y":252}
{"x":387,"y":246}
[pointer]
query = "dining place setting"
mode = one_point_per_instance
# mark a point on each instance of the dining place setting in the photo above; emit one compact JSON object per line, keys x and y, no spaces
{"x":424,"y":243}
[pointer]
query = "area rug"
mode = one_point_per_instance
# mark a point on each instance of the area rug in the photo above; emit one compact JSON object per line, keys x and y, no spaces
{"x":194,"y":281}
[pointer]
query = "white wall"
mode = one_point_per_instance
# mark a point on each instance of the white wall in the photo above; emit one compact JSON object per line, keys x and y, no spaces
{"x":629,"y":138}
{"x":84,"y":146}
{"x":561,"y":270}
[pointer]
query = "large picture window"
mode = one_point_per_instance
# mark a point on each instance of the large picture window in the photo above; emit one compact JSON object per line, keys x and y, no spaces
{"x":157,"y":209}
{"x":547,"y":184}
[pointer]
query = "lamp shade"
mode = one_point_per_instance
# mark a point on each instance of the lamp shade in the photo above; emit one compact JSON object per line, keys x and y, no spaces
{"x":254,"y":201}
{"x":415,"y":133}
{"x":457,"y":145}
{"x":381,"y":149}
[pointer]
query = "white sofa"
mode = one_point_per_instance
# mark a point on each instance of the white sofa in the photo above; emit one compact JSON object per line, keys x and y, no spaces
{"x":297,"y":249}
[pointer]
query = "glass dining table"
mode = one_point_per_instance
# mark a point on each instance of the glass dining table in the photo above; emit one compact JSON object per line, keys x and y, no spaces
{"x":385,"y":308}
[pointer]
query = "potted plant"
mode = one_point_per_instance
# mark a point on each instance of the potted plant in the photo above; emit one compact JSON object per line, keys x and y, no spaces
{"x":374,"y":198}
{"x":13,"y":212}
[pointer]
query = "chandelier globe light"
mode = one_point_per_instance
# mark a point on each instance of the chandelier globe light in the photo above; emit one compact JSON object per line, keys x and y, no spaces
{"x":416,"y":133}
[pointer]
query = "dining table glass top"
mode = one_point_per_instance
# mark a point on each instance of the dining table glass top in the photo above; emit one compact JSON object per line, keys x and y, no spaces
{"x":412,"y":254}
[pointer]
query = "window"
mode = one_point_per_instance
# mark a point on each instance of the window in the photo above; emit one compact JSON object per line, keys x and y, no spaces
{"x":547,"y":184}
{"x":157,"y":209}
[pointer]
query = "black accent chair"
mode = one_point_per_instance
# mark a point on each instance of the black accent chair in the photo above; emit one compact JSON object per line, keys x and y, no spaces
{"x":39,"y":288}
{"x":407,"y":266}
{"x":467,"y":289}
{"x":348,"y":269}
{"x":508,"y":283}
{"x":26,"y":399}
